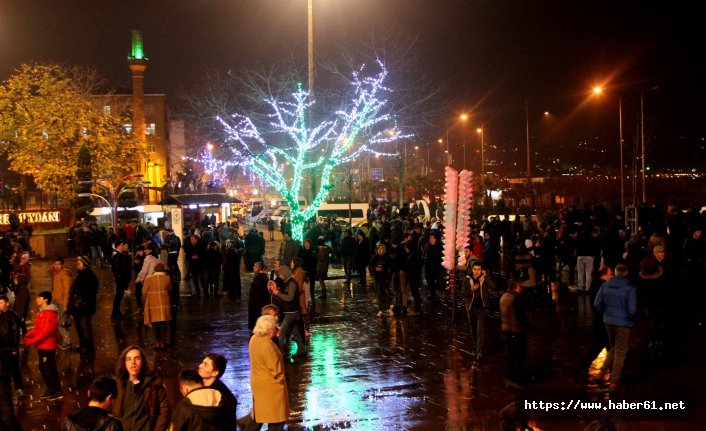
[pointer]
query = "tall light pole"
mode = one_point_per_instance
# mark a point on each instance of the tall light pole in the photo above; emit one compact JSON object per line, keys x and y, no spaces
{"x":527,"y":137}
{"x":310,"y":46}
{"x":482,"y":157}
{"x":642,"y":139}
{"x":464,"y":118}
{"x":599,"y":90}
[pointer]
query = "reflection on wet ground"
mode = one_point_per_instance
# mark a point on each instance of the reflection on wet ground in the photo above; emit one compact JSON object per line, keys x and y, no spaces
{"x":370,"y":373}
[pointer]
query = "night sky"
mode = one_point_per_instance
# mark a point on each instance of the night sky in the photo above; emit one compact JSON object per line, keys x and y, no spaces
{"x":488,"y":56}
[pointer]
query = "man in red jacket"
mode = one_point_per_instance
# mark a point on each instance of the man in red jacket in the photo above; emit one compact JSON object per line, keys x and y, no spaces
{"x":44,"y":335}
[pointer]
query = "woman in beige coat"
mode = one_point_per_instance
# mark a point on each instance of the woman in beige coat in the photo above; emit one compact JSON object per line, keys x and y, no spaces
{"x":269,"y":386}
{"x":156,"y":305}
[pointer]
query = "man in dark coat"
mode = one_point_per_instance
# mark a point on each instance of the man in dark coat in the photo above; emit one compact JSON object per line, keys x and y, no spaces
{"x":96,"y":415}
{"x":121,"y":266}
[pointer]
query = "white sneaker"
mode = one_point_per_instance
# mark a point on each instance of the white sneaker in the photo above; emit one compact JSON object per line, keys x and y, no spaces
{"x":379,"y":313}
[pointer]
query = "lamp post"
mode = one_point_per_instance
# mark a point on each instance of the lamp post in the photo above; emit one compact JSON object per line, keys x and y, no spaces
{"x":93,"y":195}
{"x":310,"y":45}
{"x":599,"y":90}
{"x":482,"y":157}
{"x":464,"y":118}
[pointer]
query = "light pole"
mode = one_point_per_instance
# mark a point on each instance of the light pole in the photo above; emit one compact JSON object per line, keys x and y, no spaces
{"x":464,"y":118}
{"x":599,"y":90}
{"x":482,"y":158}
{"x":93,"y":195}
{"x":310,"y":45}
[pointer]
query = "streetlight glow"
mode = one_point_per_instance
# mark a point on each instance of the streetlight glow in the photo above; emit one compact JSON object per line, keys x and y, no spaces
{"x":597,"y":90}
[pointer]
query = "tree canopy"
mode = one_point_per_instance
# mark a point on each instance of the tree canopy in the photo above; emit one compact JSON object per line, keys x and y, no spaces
{"x":48,"y":111}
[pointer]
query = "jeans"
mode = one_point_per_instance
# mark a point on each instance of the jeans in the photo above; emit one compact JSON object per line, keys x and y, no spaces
{"x":198,"y":277}
{"x":48,"y":370}
{"x":400,"y":283}
{"x":415,"y":286}
{"x":348,"y":265}
{"x":619,"y":342}
{"x":120,"y":288}
{"x":476,"y":319}
{"x":383,"y":286}
{"x":516,"y":352}
{"x":97,"y":255}
{"x":585,"y":271}
{"x":290,"y":327}
{"x":84,"y":331}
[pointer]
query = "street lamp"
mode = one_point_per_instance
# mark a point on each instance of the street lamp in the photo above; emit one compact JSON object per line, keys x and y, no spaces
{"x":93,"y":195}
{"x":599,"y":90}
{"x":480,"y":131}
{"x":464,"y":118}
{"x":113,"y":191}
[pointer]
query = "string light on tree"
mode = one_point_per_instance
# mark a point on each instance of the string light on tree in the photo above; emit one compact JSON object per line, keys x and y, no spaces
{"x":283,"y":150}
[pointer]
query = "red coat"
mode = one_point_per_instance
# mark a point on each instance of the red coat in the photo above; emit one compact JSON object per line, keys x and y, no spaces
{"x":46,"y":329}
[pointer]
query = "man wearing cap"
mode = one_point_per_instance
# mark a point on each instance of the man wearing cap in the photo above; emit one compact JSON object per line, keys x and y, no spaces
{"x":289,"y":297}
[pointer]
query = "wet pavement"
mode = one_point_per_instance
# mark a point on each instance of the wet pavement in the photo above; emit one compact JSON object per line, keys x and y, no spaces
{"x":370,"y":373}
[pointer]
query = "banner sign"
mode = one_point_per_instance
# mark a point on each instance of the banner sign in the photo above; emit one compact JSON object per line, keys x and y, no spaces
{"x":32,"y":217}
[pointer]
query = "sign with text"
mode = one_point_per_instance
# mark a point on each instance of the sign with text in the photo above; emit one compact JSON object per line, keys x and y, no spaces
{"x":32,"y":217}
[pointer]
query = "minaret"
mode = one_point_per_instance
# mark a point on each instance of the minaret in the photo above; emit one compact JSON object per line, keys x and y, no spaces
{"x":138,"y":64}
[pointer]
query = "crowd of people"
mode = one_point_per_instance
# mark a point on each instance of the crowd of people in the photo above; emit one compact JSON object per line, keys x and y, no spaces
{"x":629,"y":275}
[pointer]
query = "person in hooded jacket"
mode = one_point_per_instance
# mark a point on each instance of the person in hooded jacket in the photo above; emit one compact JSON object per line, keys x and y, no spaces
{"x":380,"y":269}
{"x":44,"y":335}
{"x":617,"y":300}
{"x":201,"y":409}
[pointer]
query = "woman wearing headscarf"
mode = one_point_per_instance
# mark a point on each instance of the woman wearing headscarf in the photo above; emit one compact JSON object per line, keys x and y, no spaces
{"x":231,"y":269}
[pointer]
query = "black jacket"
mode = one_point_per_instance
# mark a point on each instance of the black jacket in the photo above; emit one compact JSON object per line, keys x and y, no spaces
{"x":91,"y":419}
{"x":200,"y":410}
{"x":230,"y":404}
{"x":9,"y":332}
{"x":82,"y":297}
{"x":121,"y":265}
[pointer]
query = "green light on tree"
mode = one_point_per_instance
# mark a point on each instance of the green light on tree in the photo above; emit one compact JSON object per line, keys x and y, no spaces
{"x":284,"y":150}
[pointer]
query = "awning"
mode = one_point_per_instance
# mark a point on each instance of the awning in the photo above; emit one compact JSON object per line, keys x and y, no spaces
{"x":200,"y":199}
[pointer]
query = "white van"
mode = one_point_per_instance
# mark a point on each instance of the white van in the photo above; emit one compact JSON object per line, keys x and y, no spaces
{"x":260,"y":208}
{"x":358,"y":212}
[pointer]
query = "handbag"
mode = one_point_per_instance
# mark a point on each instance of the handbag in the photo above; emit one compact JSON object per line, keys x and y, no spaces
{"x":66,"y":320}
{"x":77,"y":303}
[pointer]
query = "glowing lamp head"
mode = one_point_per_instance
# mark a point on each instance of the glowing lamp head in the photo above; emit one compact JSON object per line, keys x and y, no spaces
{"x":597,"y":90}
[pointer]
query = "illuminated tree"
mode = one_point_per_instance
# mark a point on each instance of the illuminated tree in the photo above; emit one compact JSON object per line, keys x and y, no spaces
{"x":47,"y":112}
{"x":285,"y":150}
